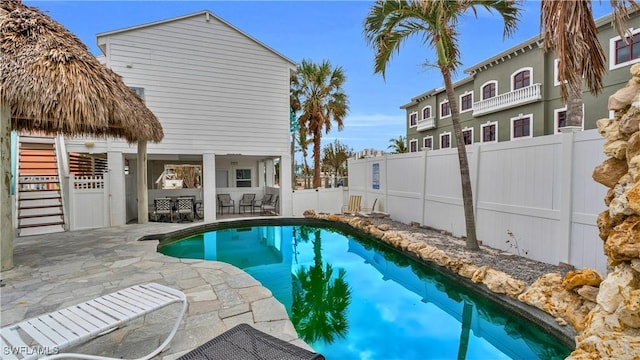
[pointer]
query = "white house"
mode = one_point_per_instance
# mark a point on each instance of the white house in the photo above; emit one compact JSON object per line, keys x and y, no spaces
{"x":222,"y":98}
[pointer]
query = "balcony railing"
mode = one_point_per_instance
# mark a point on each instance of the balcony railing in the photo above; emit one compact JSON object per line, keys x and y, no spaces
{"x":426,"y":124}
{"x":514,"y":98}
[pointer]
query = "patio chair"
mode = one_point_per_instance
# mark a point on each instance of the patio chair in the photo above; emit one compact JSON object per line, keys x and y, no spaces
{"x":163,"y":209}
{"x":266,"y":199}
{"x":245,"y":342}
{"x":271,"y":207}
{"x":372,"y":213}
{"x":354,"y":205}
{"x":185,"y":208}
{"x":246,"y":202}
{"x":225,"y":201}
{"x":52,"y":333}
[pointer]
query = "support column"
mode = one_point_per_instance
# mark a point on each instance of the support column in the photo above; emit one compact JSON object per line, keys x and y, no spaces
{"x":209,"y":187}
{"x":270,"y":173}
{"x":6,"y":219}
{"x":286,"y":194}
{"x":117,"y":191}
{"x":143,"y":190}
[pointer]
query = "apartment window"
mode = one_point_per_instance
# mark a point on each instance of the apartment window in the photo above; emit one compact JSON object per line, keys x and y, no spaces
{"x":489,"y":132}
{"x":445,"y":110}
{"x":413,"y":145}
{"x":426,"y":112}
{"x":413,"y":119}
{"x":467,"y":136}
{"x":489,"y":90}
{"x":521,"y":79}
{"x":624,"y":51}
{"x":243,"y":177}
{"x":466,"y":102}
{"x":445,"y":140}
{"x":427,"y":142}
{"x":521,"y":127}
{"x":561,"y":118}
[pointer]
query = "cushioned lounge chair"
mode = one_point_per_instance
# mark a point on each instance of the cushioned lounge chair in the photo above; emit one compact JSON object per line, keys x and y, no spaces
{"x":246,"y":202}
{"x":52,"y":333}
{"x":243,"y":342}
{"x":354,"y":205}
{"x":266,"y":199}
{"x":225,"y":201}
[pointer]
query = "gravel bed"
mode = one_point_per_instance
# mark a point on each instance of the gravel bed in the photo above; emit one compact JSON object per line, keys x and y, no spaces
{"x":518,"y":267}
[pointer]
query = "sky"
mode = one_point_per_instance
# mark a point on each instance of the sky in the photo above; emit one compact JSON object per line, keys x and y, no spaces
{"x":317,"y":31}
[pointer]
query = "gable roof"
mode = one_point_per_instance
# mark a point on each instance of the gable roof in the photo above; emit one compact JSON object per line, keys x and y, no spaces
{"x":205,"y":13}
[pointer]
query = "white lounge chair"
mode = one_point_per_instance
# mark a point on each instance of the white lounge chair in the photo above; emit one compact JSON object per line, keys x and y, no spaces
{"x":50,"y":334}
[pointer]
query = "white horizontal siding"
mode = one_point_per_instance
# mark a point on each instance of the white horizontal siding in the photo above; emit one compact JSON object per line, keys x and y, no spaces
{"x":212,"y":88}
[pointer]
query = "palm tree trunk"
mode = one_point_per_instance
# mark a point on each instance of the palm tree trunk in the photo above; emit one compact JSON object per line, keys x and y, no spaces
{"x":317,"y":133}
{"x":465,"y":179}
{"x":574,"y":108}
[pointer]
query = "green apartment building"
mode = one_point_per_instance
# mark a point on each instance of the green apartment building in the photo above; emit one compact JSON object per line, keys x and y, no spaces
{"x":516,"y":94}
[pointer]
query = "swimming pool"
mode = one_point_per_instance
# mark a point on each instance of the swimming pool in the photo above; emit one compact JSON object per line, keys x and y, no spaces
{"x":354,"y":298}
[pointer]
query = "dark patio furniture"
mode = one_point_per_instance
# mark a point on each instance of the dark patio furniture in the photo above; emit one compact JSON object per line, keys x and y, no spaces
{"x":243,"y":342}
{"x":225,"y":201}
{"x":266,"y":198}
{"x":271,"y":207}
{"x":246,"y":202}
{"x":163,"y":209}
{"x":184,"y":209}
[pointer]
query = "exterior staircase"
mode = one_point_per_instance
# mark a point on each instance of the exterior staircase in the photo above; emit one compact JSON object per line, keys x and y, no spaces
{"x":39,"y":196}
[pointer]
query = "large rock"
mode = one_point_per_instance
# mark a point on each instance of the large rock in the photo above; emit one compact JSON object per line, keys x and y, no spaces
{"x":610,"y":171}
{"x":615,"y":148}
{"x":588,"y":292}
{"x":633,"y":198}
{"x":606,"y":338}
{"x":619,"y":204}
{"x":629,"y":121}
{"x":498,"y":281}
{"x":548,"y":294}
{"x":629,"y":310}
{"x":606,"y":223}
{"x":616,"y":287}
{"x":578,"y":278}
{"x":609,"y":129}
{"x":623,"y":242}
{"x":625,"y":96}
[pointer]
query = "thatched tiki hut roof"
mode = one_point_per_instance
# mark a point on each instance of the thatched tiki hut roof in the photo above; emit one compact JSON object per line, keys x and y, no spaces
{"x":52,"y":82}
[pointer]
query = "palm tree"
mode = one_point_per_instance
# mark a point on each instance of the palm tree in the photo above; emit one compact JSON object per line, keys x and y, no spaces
{"x":303,"y":144}
{"x":335,"y":159}
{"x":578,"y":56}
{"x":389,"y":23}
{"x":398,"y":145}
{"x":322,"y":101}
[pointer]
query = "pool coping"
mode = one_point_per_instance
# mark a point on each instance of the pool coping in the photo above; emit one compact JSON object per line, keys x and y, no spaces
{"x":565,"y":334}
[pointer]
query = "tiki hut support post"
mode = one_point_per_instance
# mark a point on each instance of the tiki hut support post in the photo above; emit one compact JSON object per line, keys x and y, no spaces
{"x":6,"y":219}
{"x":143,"y":194}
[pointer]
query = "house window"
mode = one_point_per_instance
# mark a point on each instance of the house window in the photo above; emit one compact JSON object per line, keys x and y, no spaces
{"x":624,"y":51}
{"x":413,"y":119}
{"x":521,"y":79}
{"x":466,"y":102}
{"x":489,"y":90}
{"x":426,"y":112}
{"x":467,"y":136}
{"x":139,"y":91}
{"x":489,"y":132}
{"x":413,"y":145}
{"x":445,"y":140}
{"x":521,"y":126}
{"x":243,"y":177}
{"x":560,"y":118}
{"x":445,"y":110}
{"x":427,"y":142}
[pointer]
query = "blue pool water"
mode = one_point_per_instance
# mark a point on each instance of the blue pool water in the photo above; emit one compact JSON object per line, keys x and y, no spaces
{"x":353,"y":298}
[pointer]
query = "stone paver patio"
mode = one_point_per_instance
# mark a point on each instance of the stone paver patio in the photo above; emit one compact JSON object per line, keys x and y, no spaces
{"x":54,"y":271}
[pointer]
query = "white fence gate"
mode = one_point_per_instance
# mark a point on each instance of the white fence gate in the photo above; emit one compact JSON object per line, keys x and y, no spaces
{"x":539,"y":190}
{"x":88,"y":202}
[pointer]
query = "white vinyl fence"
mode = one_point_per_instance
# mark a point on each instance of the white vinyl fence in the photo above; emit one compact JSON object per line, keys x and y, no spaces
{"x":536,"y":193}
{"x":321,"y":200}
{"x":88,"y":202}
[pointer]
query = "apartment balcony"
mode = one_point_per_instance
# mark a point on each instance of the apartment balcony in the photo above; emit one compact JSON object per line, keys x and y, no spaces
{"x":511,"y":99}
{"x":426,"y":124}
